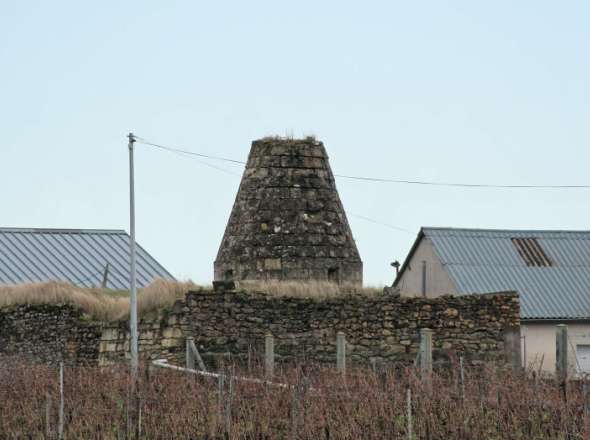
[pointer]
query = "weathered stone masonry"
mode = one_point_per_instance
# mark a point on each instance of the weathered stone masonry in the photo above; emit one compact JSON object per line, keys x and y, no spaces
{"x":381,"y":328}
{"x":49,"y":333}
{"x":288,"y":222}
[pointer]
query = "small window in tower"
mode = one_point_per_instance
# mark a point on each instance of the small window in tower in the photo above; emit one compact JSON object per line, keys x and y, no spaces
{"x":229,"y":275}
{"x":531,"y":252}
{"x":333,"y":274}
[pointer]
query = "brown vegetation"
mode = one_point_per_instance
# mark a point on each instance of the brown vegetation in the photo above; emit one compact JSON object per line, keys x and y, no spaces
{"x":109,"y":305}
{"x":317,"y":404}
{"x":308,"y":289}
{"x":100,"y":304}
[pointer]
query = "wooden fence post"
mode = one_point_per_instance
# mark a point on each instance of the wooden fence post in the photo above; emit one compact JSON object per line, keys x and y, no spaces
{"x":269,"y":355}
{"x":341,"y":352}
{"x":426,"y":355}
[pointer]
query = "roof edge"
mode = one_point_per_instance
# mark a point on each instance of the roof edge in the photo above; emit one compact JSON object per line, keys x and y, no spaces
{"x":402,"y":269}
{"x":537,"y":320}
{"x":62,"y":230}
{"x":445,"y":228}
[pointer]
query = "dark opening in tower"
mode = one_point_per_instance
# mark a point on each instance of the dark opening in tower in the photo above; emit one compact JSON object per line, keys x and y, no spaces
{"x":333,"y":275}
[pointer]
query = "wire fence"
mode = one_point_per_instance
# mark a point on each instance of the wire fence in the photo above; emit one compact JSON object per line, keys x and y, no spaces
{"x":318,"y":402}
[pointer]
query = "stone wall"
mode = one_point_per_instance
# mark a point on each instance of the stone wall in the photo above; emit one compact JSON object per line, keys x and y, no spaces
{"x":381,"y":329}
{"x":49,"y":333}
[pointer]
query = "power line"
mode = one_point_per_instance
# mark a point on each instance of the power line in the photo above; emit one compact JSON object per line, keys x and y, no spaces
{"x":461,"y":185}
{"x":185,"y":152}
{"x":374,"y":179}
{"x":191,"y":153}
{"x":387,"y":225}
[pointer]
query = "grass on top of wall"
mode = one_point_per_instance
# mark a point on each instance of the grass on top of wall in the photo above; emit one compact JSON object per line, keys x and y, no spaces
{"x":100,"y":304}
{"x":308,"y":289}
{"x":112,"y":305}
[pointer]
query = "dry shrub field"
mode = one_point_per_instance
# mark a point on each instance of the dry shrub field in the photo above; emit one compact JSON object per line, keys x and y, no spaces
{"x":317,"y":403}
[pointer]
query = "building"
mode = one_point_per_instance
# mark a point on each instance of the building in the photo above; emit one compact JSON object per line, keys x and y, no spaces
{"x":287,"y":222}
{"x":550,"y":270}
{"x":85,"y":258}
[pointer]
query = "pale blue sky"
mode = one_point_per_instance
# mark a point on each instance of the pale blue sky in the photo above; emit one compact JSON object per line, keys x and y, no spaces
{"x":483,"y":92}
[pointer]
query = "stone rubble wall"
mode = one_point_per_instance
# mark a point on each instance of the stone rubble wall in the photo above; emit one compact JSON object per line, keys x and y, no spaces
{"x":287,"y":221}
{"x":49,"y":333}
{"x":377,"y":329}
{"x":233,"y":324}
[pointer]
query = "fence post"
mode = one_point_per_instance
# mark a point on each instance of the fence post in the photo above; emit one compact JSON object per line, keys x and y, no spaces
{"x":409,"y":413}
{"x":193,"y":356}
{"x":584,"y":397}
{"x":60,"y":429}
{"x":228,"y":404}
{"x":341,"y":352}
{"x":48,"y":416}
{"x":220,"y":393}
{"x":190,"y":359}
{"x":426,"y":354}
{"x":297,"y":406}
{"x":561,"y":352}
{"x":462,"y":378}
{"x":512,"y":348}
{"x":269,"y":355}
{"x":561,"y":361}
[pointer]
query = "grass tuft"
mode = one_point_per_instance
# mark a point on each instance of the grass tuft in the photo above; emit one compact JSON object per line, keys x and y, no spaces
{"x":308,"y":289}
{"x":100,"y":304}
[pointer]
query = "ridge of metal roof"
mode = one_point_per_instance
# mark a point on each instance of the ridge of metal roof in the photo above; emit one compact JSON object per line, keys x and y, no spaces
{"x":485,"y":260}
{"x":430,"y":229}
{"x":63,"y":231}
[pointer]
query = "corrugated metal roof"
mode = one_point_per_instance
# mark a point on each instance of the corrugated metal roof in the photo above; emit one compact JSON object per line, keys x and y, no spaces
{"x":482,"y":261}
{"x":73,"y":255}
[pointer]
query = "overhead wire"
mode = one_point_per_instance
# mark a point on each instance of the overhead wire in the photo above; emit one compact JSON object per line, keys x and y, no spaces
{"x":387,"y":225}
{"x":376,"y":179}
{"x":182,"y":152}
{"x":187,"y":152}
{"x":461,"y":185}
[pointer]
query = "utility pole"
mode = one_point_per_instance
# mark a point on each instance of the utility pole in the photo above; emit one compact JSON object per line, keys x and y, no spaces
{"x":133,"y":300}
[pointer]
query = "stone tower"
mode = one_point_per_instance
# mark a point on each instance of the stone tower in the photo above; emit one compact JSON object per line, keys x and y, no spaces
{"x":287,"y":222}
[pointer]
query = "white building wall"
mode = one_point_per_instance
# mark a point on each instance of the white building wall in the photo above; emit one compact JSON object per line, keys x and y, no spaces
{"x":538,"y":344}
{"x":437,"y":280}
